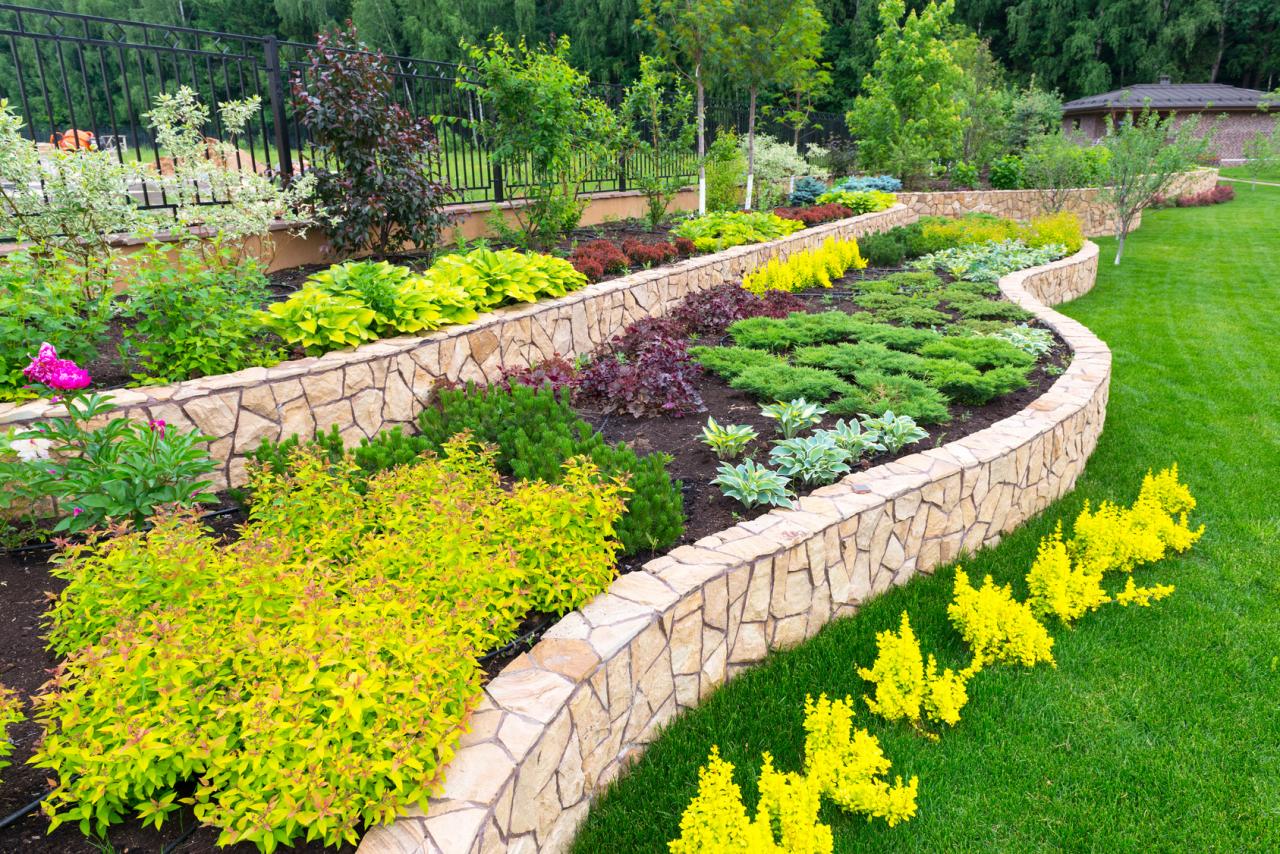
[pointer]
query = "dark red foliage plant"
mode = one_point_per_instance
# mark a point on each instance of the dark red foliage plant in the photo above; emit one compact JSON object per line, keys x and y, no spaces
{"x":658,"y":378}
{"x":557,"y":373}
{"x":1219,"y":194}
{"x":710,"y":312}
{"x":814,"y":214}
{"x":685,"y":246}
{"x":602,"y":253}
{"x":378,"y":174}
{"x":649,"y":254}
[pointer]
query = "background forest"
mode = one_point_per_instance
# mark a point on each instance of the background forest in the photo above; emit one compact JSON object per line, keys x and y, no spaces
{"x":1078,"y":47}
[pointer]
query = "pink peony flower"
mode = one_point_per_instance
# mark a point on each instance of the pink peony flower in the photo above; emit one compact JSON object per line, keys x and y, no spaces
{"x":57,"y":374}
{"x":157,"y":425}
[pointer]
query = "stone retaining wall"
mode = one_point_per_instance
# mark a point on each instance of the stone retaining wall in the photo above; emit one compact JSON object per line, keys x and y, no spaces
{"x":1024,"y":204}
{"x":562,"y":721}
{"x":375,"y":386}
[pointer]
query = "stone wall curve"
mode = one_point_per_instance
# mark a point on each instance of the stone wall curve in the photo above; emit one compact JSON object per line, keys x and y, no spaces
{"x":563,"y":720}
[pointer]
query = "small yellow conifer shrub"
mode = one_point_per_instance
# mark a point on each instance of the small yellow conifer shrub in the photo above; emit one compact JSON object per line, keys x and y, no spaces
{"x":908,"y":688}
{"x":849,"y":766}
{"x":998,"y":628}
{"x":808,"y":268}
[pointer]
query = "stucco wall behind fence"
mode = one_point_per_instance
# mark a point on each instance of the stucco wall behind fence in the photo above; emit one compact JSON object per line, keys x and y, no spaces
{"x":1024,"y":204}
{"x":562,"y":721}
{"x":385,"y":383}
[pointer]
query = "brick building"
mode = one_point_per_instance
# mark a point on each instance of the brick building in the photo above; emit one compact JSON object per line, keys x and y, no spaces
{"x":1238,"y":112}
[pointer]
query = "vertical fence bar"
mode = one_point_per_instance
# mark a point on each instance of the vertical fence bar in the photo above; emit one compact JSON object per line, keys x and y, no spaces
{"x":276,"y":95}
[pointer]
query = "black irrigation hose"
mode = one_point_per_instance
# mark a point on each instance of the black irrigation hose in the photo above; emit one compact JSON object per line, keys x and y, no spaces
{"x":48,"y":547}
{"x":186,"y":834}
{"x":27,"y":810}
{"x":526,"y":639}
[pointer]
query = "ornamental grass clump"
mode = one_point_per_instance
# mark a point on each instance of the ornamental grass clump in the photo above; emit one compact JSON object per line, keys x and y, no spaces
{"x":311,"y":678}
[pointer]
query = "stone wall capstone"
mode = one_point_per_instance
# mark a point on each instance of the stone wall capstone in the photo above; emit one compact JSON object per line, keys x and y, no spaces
{"x":385,"y":383}
{"x":559,"y":723}
{"x":1022,"y":205}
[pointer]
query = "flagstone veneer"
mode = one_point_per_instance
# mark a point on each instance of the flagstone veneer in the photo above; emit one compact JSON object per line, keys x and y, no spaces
{"x":562,"y":721}
{"x":378,"y":385}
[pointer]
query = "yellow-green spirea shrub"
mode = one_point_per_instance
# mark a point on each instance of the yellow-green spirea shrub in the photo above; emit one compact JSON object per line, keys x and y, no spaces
{"x":10,"y":714}
{"x":998,"y":628}
{"x":312,"y":677}
{"x":808,"y":268}
{"x":907,"y":688}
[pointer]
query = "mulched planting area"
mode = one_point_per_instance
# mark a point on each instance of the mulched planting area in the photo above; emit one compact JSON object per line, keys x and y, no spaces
{"x":26,"y":587}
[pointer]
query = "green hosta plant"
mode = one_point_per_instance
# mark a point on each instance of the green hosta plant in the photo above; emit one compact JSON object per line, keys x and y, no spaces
{"x":320,"y":321}
{"x":1028,"y":339}
{"x":859,"y":201}
{"x":727,"y":441}
{"x":493,"y":278}
{"x":794,"y":416}
{"x":987,"y":262}
{"x":814,"y":460}
{"x":895,"y":432}
{"x":852,"y":438}
{"x":722,"y":229}
{"x":374,"y":283}
{"x":753,"y":484}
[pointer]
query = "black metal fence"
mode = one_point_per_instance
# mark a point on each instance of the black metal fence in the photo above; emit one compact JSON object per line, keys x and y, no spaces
{"x":69,"y":75}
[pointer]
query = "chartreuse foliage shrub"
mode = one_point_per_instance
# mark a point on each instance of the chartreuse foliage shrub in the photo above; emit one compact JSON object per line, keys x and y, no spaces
{"x":312,"y":677}
{"x":909,"y":689}
{"x":859,"y":201}
{"x":10,"y":714}
{"x":360,"y":301}
{"x":808,"y":268}
{"x":842,"y":764}
{"x":721,"y":229}
{"x":1066,"y":580}
{"x":533,"y":432}
{"x":997,"y":627}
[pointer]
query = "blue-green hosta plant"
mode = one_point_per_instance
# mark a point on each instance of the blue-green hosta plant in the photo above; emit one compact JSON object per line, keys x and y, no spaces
{"x":728,"y":441}
{"x":987,"y":262}
{"x":1028,"y":339}
{"x":753,"y":484}
{"x":895,"y":432}
{"x":794,"y":416}
{"x":850,"y":437}
{"x":813,"y":460}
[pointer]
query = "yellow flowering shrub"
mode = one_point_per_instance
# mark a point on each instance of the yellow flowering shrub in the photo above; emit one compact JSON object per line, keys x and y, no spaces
{"x":808,"y":268}
{"x":907,"y":688}
{"x":311,"y":678}
{"x":1132,"y":594}
{"x":10,"y":714}
{"x":848,"y":765}
{"x":1059,"y":587}
{"x":998,"y":628}
{"x":716,"y":822}
{"x":1063,"y":228}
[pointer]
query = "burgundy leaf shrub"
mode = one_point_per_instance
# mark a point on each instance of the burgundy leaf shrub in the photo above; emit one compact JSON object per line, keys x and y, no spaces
{"x":1216,"y":196}
{"x":710,"y":312}
{"x":599,"y":253}
{"x":378,"y":176}
{"x":649,"y":254}
{"x":685,"y":246}
{"x":814,"y":214}
{"x":657,"y":378}
{"x":556,"y":373}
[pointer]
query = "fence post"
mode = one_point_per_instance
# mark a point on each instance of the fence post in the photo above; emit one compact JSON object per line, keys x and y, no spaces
{"x":622,"y":172}
{"x":498,"y":194}
{"x":276,"y":95}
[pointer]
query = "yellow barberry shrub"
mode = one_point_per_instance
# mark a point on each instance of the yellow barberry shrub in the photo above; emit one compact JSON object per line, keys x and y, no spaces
{"x":1113,"y":539}
{"x":10,"y":714}
{"x":849,"y":766}
{"x":1063,"y":228}
{"x":998,"y":628}
{"x":808,"y":268}
{"x":1132,"y":594}
{"x":908,"y":689}
{"x":716,"y":822}
{"x":790,"y":802}
{"x":1059,"y":587}
{"x":1169,"y":494}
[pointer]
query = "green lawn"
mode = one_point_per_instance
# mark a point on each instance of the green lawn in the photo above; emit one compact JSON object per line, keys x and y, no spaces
{"x":1160,"y":728}
{"x":1271,"y":174}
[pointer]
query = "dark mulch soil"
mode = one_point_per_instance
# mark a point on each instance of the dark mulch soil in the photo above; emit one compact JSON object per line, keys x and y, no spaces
{"x":26,"y":586}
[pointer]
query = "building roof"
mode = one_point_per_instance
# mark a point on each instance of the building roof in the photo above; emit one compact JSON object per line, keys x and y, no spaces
{"x":1169,"y":96}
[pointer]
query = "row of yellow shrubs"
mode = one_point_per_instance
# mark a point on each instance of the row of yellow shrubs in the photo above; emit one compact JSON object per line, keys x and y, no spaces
{"x":1062,"y":228}
{"x":808,"y":268}
{"x":848,"y":766}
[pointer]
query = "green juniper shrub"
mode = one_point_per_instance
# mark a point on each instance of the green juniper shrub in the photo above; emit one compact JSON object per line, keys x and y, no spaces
{"x":916,"y":313}
{"x":879,"y":301}
{"x":913,"y":282}
{"x":849,"y":360}
{"x":993,"y":310}
{"x":884,"y":249}
{"x":729,"y":362}
{"x":796,"y":330}
{"x":877,"y":286}
{"x":961,"y":292}
{"x":535,"y":432}
{"x":898,"y":337}
{"x":963,"y":383}
{"x":980,"y":352}
{"x":787,"y":382}
{"x":878,"y":392}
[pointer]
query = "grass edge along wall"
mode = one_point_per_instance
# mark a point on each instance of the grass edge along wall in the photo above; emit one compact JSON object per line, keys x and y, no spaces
{"x":385,"y":383}
{"x":562,"y":721}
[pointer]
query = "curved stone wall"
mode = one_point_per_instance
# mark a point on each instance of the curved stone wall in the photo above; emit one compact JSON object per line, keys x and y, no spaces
{"x":372,"y":387}
{"x":562,"y":721}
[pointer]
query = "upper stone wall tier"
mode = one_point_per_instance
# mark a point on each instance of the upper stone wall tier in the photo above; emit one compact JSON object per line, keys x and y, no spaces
{"x":1024,"y":204}
{"x":375,"y":386}
{"x":559,"y":723}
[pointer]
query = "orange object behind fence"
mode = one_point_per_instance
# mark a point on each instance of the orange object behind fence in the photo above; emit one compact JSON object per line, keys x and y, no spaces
{"x":74,"y":140}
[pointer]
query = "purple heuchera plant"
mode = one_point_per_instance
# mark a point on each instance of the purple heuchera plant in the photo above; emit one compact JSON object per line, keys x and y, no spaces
{"x":712,"y":311}
{"x":657,"y":377}
{"x":58,"y":374}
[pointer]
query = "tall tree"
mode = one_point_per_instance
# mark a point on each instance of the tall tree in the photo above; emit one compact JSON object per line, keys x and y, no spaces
{"x":909,"y":116}
{"x":771,"y":43}
{"x":691,"y":36}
